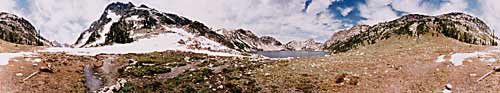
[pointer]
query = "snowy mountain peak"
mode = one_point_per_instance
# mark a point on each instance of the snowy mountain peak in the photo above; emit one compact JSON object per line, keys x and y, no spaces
{"x":123,"y":23}
{"x":120,"y":19}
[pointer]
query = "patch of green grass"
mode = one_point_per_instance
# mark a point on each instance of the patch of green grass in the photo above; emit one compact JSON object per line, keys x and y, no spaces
{"x":146,"y":70}
{"x":129,"y":87}
{"x":159,"y":59}
{"x":233,"y":78}
{"x":213,"y":62}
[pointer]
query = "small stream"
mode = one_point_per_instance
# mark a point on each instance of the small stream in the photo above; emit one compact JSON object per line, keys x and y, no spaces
{"x":287,"y":54}
{"x":91,"y":80}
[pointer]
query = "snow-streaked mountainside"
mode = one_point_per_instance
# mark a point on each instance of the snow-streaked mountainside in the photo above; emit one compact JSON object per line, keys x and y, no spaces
{"x":250,"y":42}
{"x":17,"y":30}
{"x":459,"y":26}
{"x":123,"y":23}
{"x":307,"y":45}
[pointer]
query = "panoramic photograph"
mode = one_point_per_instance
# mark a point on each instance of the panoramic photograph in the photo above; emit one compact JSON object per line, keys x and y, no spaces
{"x":249,"y":46}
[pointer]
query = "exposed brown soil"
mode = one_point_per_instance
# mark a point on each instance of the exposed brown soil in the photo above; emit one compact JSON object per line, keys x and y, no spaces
{"x":7,"y":47}
{"x":66,"y":75}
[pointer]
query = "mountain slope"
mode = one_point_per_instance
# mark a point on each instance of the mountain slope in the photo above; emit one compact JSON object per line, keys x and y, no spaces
{"x":248,"y":41}
{"x":459,"y":26}
{"x":123,"y":23}
{"x":17,"y":30}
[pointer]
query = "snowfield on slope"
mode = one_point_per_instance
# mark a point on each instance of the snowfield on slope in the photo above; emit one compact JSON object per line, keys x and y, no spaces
{"x":161,"y":42}
{"x":457,"y":59}
{"x":5,"y":57}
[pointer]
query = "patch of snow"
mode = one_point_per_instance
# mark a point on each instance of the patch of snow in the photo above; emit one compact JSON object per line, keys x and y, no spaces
{"x":491,"y":60}
{"x":5,"y":57}
{"x":458,"y":58}
{"x":447,"y":88}
{"x":134,"y":17}
{"x":37,"y":60}
{"x":118,"y":85}
{"x":440,"y":59}
{"x":204,"y":42}
{"x":220,"y":31}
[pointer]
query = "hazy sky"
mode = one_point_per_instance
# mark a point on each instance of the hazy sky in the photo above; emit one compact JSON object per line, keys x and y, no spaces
{"x":64,"y":20}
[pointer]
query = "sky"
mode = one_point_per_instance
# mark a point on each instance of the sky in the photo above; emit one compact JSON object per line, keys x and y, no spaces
{"x":64,"y":20}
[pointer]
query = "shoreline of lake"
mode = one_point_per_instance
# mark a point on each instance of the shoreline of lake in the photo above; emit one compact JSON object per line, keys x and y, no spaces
{"x":288,"y":54}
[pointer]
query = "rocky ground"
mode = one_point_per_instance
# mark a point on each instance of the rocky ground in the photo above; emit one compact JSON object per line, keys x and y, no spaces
{"x":398,"y":64}
{"x":151,"y":72}
{"x":395,"y":65}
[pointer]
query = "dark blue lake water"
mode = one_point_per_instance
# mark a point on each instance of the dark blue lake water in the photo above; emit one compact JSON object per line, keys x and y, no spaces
{"x":286,"y":54}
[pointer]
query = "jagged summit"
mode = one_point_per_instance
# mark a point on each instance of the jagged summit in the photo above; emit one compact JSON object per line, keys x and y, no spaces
{"x":459,"y":26}
{"x":18,"y":30}
{"x":119,"y":7}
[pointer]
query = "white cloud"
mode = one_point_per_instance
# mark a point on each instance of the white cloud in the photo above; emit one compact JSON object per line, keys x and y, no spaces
{"x":9,"y":6}
{"x":64,"y":20}
{"x":491,"y":14}
{"x":376,"y":11}
{"x":345,"y":11}
{"x":282,"y":19}
{"x":415,"y":6}
{"x":317,"y":6}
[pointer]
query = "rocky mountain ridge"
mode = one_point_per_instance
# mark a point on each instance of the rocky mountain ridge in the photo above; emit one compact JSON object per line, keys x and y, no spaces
{"x":307,"y":45}
{"x":459,"y":26}
{"x":18,"y":30}
{"x":247,"y":39}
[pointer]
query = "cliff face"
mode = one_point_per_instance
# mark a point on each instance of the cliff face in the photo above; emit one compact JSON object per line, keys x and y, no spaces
{"x":459,"y":26}
{"x":17,"y":30}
